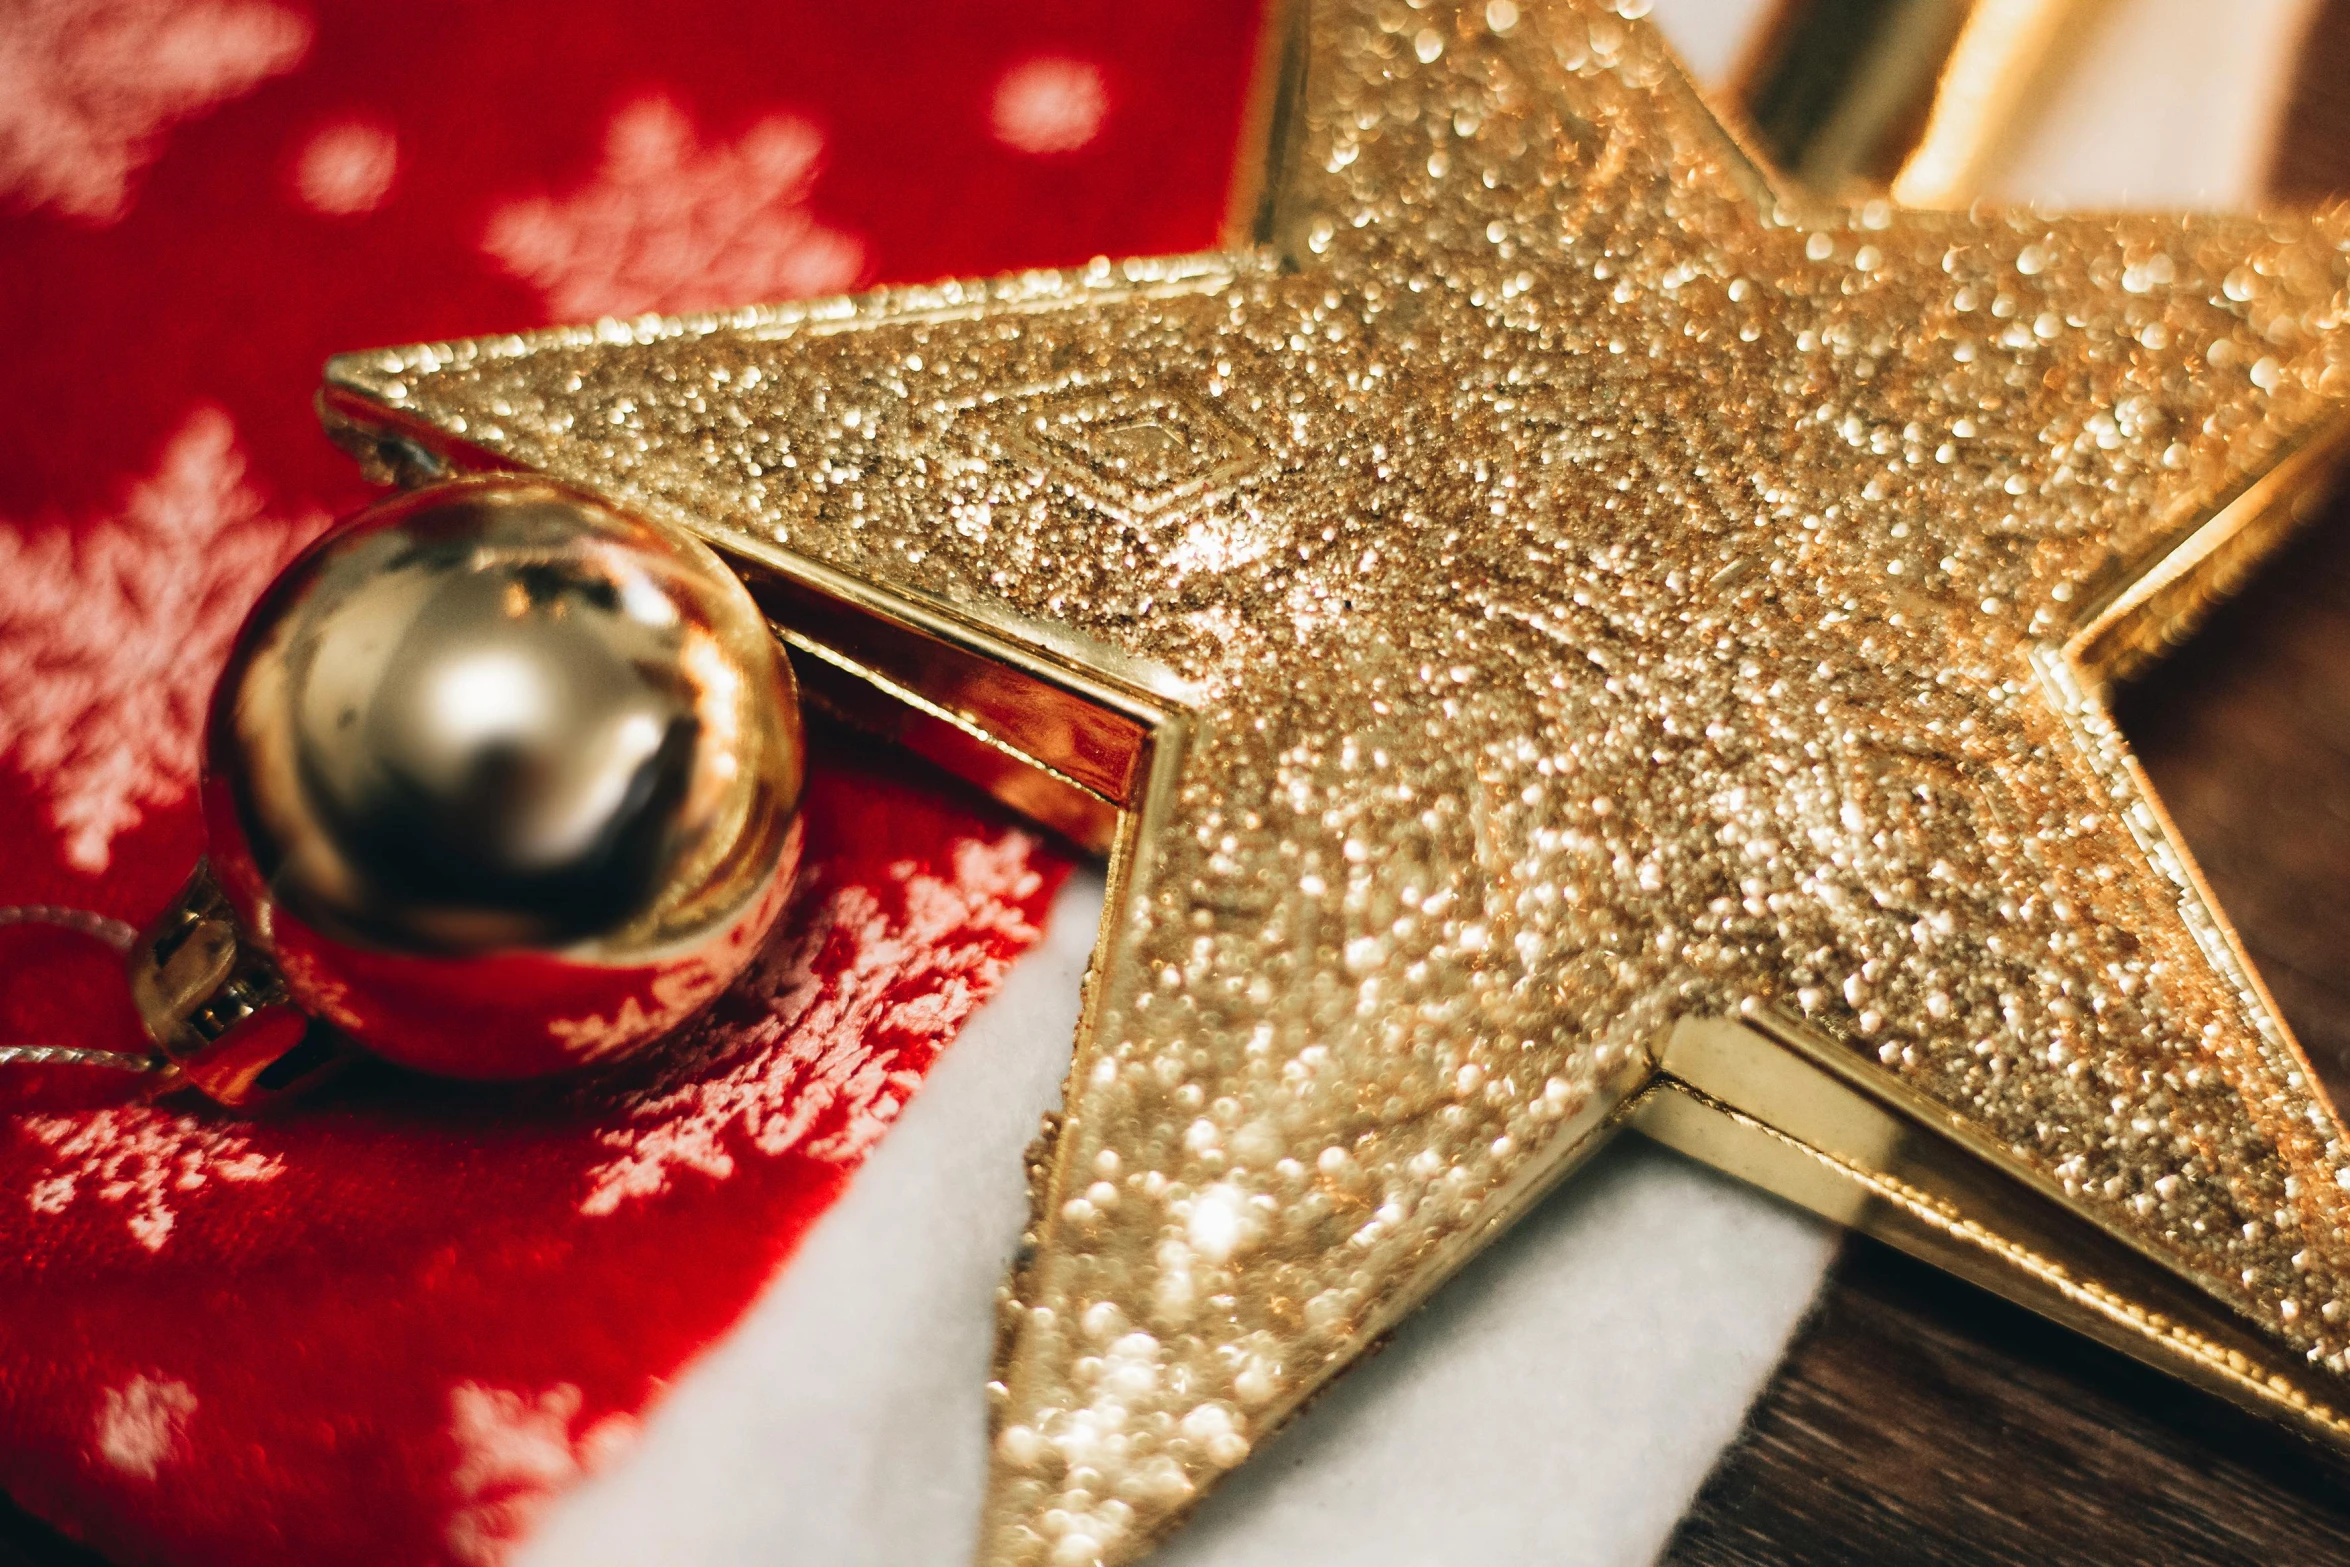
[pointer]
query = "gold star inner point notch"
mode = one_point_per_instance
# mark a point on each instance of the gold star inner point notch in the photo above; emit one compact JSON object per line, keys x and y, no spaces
{"x":1554,"y":637}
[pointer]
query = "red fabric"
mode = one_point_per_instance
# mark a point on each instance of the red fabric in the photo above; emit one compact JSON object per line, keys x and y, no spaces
{"x":388,"y":1325}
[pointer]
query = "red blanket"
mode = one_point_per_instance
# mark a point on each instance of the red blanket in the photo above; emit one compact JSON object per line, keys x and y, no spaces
{"x":389,"y":1325}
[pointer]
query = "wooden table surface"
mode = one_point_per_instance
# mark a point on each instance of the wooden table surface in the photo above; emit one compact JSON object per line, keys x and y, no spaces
{"x":1916,"y":1420}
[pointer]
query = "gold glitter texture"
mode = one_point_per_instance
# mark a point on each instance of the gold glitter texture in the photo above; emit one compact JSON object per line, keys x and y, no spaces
{"x":1554,"y":591}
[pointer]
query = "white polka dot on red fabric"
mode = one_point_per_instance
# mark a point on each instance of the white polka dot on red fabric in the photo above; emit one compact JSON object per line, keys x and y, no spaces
{"x":1050,"y":104}
{"x":143,"y":1424}
{"x":347,"y":168}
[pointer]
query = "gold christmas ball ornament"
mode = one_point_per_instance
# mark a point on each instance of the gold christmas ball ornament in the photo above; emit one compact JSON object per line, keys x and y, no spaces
{"x":499,"y":782}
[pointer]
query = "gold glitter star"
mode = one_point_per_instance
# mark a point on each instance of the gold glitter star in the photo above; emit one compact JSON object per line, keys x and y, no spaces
{"x":1555,"y":637}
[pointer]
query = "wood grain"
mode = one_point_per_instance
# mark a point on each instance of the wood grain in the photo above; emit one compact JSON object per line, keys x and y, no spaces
{"x":1916,"y":1420}
{"x":1920,"y":1421}
{"x":2312,"y":160}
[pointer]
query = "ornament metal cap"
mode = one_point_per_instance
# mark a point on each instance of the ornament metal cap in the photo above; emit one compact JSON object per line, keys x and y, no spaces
{"x":499,"y":782}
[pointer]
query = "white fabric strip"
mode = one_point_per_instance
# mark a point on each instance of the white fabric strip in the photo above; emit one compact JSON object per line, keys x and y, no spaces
{"x":1562,"y":1400}
{"x":844,"y":1422}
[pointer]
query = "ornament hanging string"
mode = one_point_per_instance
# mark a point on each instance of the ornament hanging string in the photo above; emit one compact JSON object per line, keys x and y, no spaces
{"x":98,"y":927}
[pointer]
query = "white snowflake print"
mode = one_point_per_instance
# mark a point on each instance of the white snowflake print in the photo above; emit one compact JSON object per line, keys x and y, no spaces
{"x":141,"y":1159}
{"x":346,"y":168}
{"x":87,"y":87}
{"x":1049,"y":104}
{"x":676,"y":996}
{"x":830,"y":1044}
{"x":142,"y":1424}
{"x":514,"y":1455}
{"x":111,"y":635}
{"x":669,"y":224}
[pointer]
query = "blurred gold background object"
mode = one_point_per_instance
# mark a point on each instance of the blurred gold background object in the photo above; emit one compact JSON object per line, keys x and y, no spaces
{"x":1910,"y":99}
